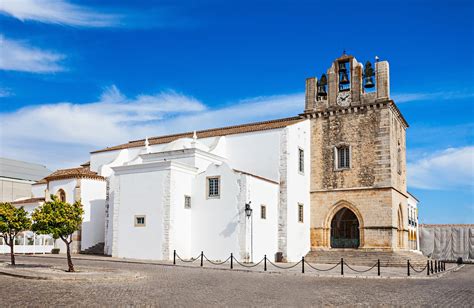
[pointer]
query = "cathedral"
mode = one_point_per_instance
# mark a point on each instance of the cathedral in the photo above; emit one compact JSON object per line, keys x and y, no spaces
{"x":332,"y":177}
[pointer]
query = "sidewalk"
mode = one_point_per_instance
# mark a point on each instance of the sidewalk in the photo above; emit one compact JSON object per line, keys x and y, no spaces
{"x":311,"y":269}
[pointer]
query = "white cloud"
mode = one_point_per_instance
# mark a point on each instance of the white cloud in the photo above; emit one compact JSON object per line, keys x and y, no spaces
{"x":57,"y":11}
{"x":4,"y":92}
{"x":18,"y":56}
{"x":452,"y":168}
{"x":63,"y":134}
{"x":422,"y":96}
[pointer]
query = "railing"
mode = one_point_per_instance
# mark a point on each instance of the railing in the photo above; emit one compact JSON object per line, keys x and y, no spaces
{"x":431,"y":267}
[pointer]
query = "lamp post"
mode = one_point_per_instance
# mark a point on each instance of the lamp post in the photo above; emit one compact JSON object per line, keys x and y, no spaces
{"x":248,"y":213}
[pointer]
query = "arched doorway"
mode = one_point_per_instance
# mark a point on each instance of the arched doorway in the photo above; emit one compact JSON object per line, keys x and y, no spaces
{"x":345,"y":230}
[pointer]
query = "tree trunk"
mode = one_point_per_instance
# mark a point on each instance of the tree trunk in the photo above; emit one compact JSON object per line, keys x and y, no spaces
{"x":12,"y":253}
{"x":69,"y":259}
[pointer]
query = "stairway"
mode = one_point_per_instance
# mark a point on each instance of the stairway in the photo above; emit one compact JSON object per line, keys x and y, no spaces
{"x":366,"y":257}
{"x":97,"y":249}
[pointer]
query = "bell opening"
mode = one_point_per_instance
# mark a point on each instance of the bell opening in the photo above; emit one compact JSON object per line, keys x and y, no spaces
{"x":344,"y":77}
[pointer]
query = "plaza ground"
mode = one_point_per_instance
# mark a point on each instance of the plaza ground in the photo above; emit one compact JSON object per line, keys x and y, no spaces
{"x":167,"y":285}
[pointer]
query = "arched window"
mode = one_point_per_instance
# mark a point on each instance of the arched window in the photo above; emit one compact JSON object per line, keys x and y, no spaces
{"x":62,"y":195}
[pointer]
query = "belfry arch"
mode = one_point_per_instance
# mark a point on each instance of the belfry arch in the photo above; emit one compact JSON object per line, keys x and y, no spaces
{"x":344,"y":227}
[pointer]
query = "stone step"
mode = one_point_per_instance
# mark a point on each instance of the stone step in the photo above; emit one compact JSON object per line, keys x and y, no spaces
{"x":97,"y":249}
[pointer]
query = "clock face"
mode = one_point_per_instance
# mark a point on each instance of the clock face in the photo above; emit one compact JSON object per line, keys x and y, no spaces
{"x":344,"y":99}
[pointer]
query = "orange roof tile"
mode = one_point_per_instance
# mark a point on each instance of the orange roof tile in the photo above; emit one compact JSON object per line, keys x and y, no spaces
{"x":73,"y":173}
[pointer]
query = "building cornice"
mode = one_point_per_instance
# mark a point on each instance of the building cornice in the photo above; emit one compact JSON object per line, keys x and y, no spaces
{"x":358,"y":188}
{"x":156,"y":166}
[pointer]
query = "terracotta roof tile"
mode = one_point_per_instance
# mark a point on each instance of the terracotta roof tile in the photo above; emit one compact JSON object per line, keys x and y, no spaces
{"x":223,"y":131}
{"x":29,"y":200}
{"x":73,"y":173}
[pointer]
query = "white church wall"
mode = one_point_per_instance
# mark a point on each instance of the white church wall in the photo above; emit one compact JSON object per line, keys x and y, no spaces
{"x":181,"y":185}
{"x":298,"y":186}
{"x":141,"y":193}
{"x":38,"y":191}
{"x":256,"y":152}
{"x":68,"y":185}
{"x":265,"y":231}
{"x":215,"y":221}
{"x":93,"y":201}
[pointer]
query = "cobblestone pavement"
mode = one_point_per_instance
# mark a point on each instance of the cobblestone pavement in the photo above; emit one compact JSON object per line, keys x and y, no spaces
{"x":189,"y":286}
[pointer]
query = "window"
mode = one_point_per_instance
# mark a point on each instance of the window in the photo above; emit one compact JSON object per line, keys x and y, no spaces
{"x":213,"y":187}
{"x":343,"y":157}
{"x":300,"y":212}
{"x":399,"y":161}
{"x":61,"y":195}
{"x":140,"y":221}
{"x":263,"y":212}
{"x":301,"y":160}
{"x":187,"y":202}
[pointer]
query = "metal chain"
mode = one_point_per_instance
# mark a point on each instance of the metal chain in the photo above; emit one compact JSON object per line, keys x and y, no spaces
{"x":364,"y":271}
{"x":283,"y":267}
{"x":323,"y":270}
{"x":241,"y":264}
{"x":216,"y":263}
{"x":188,"y":261}
{"x":418,"y":271}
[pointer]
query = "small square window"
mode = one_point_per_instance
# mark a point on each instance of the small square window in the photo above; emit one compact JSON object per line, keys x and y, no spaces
{"x":263,"y":212}
{"x":213,"y":187}
{"x":300,"y":212}
{"x":301,"y":160}
{"x":187,"y":202}
{"x":140,"y":221}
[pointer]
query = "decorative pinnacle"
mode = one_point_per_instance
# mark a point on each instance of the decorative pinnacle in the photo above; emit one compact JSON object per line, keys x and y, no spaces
{"x":147,"y":145}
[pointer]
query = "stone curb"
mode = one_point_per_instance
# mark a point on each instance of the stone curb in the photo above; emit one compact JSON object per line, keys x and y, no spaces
{"x":309,"y":273}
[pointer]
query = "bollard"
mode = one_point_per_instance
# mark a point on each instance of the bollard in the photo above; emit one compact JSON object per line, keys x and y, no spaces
{"x":174,"y":257}
{"x":302,"y":265}
{"x":427,"y":267}
{"x":431,"y":266}
{"x":444,"y":265}
{"x":265,"y":263}
{"x":342,"y":266}
{"x":202,"y":257}
{"x":231,"y":261}
{"x":408,"y":267}
{"x":378,"y":267}
{"x":436,"y":266}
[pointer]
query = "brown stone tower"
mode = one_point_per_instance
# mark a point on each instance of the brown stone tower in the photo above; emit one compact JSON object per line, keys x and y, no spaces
{"x":358,"y":165}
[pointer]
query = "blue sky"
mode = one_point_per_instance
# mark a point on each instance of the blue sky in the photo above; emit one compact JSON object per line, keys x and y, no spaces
{"x":76,"y":76}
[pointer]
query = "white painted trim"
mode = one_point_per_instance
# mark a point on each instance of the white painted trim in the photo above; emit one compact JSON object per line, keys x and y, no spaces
{"x":176,"y":154}
{"x":157,"y":166}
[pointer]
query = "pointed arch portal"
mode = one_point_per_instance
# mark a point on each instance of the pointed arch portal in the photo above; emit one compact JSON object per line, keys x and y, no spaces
{"x":345,"y":230}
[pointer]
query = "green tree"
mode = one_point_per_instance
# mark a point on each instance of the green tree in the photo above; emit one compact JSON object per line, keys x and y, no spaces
{"x":61,"y":220}
{"x":12,"y":221}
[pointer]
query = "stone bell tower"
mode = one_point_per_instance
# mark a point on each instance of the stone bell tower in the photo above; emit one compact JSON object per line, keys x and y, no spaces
{"x":358,"y":165}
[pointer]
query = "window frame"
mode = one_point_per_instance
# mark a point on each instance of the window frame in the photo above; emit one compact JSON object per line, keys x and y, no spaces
{"x":187,"y":202}
{"x":301,"y":160}
{"x":139,"y":224}
{"x":337,"y":148}
{"x":208,"y":186}
{"x":300,"y":212}
{"x":263,"y":211}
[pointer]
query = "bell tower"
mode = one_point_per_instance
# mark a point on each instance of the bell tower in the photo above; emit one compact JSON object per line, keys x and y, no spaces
{"x":358,"y":161}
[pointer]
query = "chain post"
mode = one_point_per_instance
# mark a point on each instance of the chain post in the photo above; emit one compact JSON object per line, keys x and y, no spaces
{"x":174,"y":257}
{"x":342,"y":266}
{"x":231,"y":260}
{"x":202,"y":258}
{"x":378,"y":267}
{"x":265,"y":263}
{"x":427,"y":267}
{"x":431,"y":267}
{"x":302,"y":265}
{"x":408,"y":267}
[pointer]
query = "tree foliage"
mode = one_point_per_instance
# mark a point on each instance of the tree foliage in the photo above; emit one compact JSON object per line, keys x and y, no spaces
{"x":13,"y":220}
{"x":60,"y":219}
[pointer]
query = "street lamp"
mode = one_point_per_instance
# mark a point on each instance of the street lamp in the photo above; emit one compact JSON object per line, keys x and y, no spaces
{"x":248,"y":213}
{"x":248,"y":209}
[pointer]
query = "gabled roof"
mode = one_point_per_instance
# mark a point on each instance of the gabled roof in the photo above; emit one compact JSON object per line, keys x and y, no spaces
{"x":73,"y":173}
{"x":223,"y":131}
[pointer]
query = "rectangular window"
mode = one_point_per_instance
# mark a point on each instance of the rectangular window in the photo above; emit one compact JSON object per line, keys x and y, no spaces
{"x":301,"y":160}
{"x":187,"y":202}
{"x":263,"y":212}
{"x":213,"y":187}
{"x":300,"y":212}
{"x":140,"y":221}
{"x":343,"y":157}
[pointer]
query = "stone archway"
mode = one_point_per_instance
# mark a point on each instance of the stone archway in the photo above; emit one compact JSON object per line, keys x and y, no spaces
{"x":345,"y":229}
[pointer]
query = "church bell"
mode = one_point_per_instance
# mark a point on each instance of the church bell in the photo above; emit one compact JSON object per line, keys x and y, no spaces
{"x":368,"y":82}
{"x":322,"y":82}
{"x":344,"y":79}
{"x":368,"y":75}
